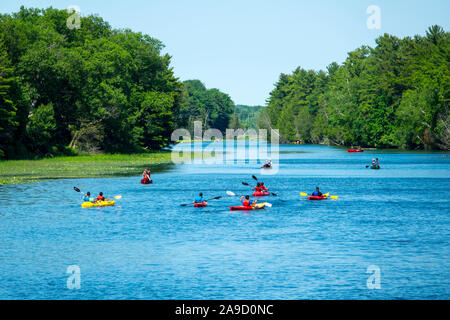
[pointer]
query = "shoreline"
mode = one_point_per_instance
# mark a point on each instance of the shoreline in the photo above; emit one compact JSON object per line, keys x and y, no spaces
{"x":72,"y":167}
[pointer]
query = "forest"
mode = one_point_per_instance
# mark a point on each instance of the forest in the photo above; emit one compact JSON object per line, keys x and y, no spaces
{"x":102,"y":90}
{"x":90,"y":90}
{"x":246,"y":117}
{"x":394,"y":95}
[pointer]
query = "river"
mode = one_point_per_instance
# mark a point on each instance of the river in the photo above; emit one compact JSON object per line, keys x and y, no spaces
{"x":396,"y":220}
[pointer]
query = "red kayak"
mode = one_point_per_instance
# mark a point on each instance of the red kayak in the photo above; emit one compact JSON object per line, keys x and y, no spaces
{"x":254,"y":207}
{"x":350,"y":150}
{"x":146,"y":181}
{"x":317,"y":198}
{"x":200,"y":205}
{"x":260,"y":193}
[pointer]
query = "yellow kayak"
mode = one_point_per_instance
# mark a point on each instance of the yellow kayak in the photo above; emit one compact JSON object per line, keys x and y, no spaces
{"x":88,"y":204}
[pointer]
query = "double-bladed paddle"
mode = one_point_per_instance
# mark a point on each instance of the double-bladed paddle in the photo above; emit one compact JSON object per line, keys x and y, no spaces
{"x":186,"y":204}
{"x":254,"y":177}
{"x":232,"y":194}
{"x":115,"y":197}
{"x":326,"y":194}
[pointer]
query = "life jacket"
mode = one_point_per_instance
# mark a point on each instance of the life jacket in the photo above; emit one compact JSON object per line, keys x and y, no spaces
{"x":246,"y":203}
{"x":100,"y":198}
{"x":316,"y":193}
{"x":263,"y":188}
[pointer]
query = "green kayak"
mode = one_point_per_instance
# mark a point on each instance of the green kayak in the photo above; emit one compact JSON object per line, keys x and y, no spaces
{"x":374,"y":167}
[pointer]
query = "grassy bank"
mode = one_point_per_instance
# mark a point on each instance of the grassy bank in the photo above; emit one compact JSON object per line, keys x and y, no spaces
{"x":23,"y":171}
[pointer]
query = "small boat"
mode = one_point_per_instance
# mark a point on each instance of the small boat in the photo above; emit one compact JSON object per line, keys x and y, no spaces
{"x":146,"y":181}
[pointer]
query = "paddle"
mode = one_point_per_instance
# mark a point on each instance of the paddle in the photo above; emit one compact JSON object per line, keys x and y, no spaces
{"x":186,"y":204}
{"x":267,"y":204}
{"x":115,"y":197}
{"x":254,"y":177}
{"x":326,"y":194}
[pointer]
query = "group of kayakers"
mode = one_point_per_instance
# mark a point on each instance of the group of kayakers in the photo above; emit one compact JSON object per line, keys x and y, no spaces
{"x":359,"y":148}
{"x":247,"y":202}
{"x":260,"y":187}
{"x":87,"y":197}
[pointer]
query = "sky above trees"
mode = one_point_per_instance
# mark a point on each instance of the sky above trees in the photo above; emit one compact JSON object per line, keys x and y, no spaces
{"x":241,"y":47}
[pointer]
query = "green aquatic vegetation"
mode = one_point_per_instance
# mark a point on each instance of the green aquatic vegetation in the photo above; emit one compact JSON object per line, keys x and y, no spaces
{"x":100,"y":165}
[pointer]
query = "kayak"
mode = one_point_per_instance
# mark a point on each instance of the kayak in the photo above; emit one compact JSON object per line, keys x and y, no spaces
{"x":146,"y":181}
{"x":254,"y":207}
{"x":350,"y":150}
{"x":200,"y":205}
{"x":374,"y":167}
{"x":266,"y":167}
{"x":260,"y":193}
{"x":317,"y":198}
{"x":88,"y":204}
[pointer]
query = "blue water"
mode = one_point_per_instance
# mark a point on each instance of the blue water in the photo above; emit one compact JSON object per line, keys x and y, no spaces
{"x":149,"y":247}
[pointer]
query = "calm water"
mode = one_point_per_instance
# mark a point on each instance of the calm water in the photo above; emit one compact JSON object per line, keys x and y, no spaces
{"x":149,"y":247}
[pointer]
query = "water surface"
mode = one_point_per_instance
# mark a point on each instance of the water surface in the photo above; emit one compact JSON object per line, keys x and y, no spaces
{"x":149,"y":247}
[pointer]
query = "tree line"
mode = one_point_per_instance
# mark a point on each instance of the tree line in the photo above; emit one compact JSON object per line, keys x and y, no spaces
{"x":92,"y":89}
{"x":393,"y":95}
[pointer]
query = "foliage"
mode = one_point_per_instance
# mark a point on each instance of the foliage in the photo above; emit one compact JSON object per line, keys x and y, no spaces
{"x":248,"y":115}
{"x":99,"y":165}
{"x":210,"y":106}
{"x":57,"y":82}
{"x":393,"y":95}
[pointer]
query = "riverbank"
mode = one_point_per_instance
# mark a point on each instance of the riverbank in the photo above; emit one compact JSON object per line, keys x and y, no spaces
{"x":92,"y":166}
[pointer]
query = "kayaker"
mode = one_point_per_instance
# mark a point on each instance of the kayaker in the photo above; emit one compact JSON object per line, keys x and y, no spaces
{"x":246,"y":201}
{"x":199,"y":198}
{"x":263,"y":187}
{"x":317,"y":193}
{"x":359,"y":148}
{"x":146,"y":174}
{"x":87,"y":197}
{"x":377,"y":162}
{"x":373,"y":162}
{"x":258,"y":187}
{"x":100,"y":197}
{"x":351,"y":148}
{"x":268,"y":164}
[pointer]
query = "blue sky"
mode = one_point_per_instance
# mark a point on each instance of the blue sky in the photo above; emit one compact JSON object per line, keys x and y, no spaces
{"x":241,"y":46}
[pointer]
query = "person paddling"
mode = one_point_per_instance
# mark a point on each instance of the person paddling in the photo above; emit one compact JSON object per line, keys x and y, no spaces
{"x":263,"y":187}
{"x":258,"y":187}
{"x":200,"y":199}
{"x":246,"y":202}
{"x":146,"y":174}
{"x":317,"y":193}
{"x":87,"y":197}
{"x":100,"y":197}
{"x":268,"y":164}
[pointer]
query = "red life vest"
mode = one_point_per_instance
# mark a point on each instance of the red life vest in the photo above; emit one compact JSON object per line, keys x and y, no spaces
{"x":246,"y":203}
{"x":100,"y":198}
